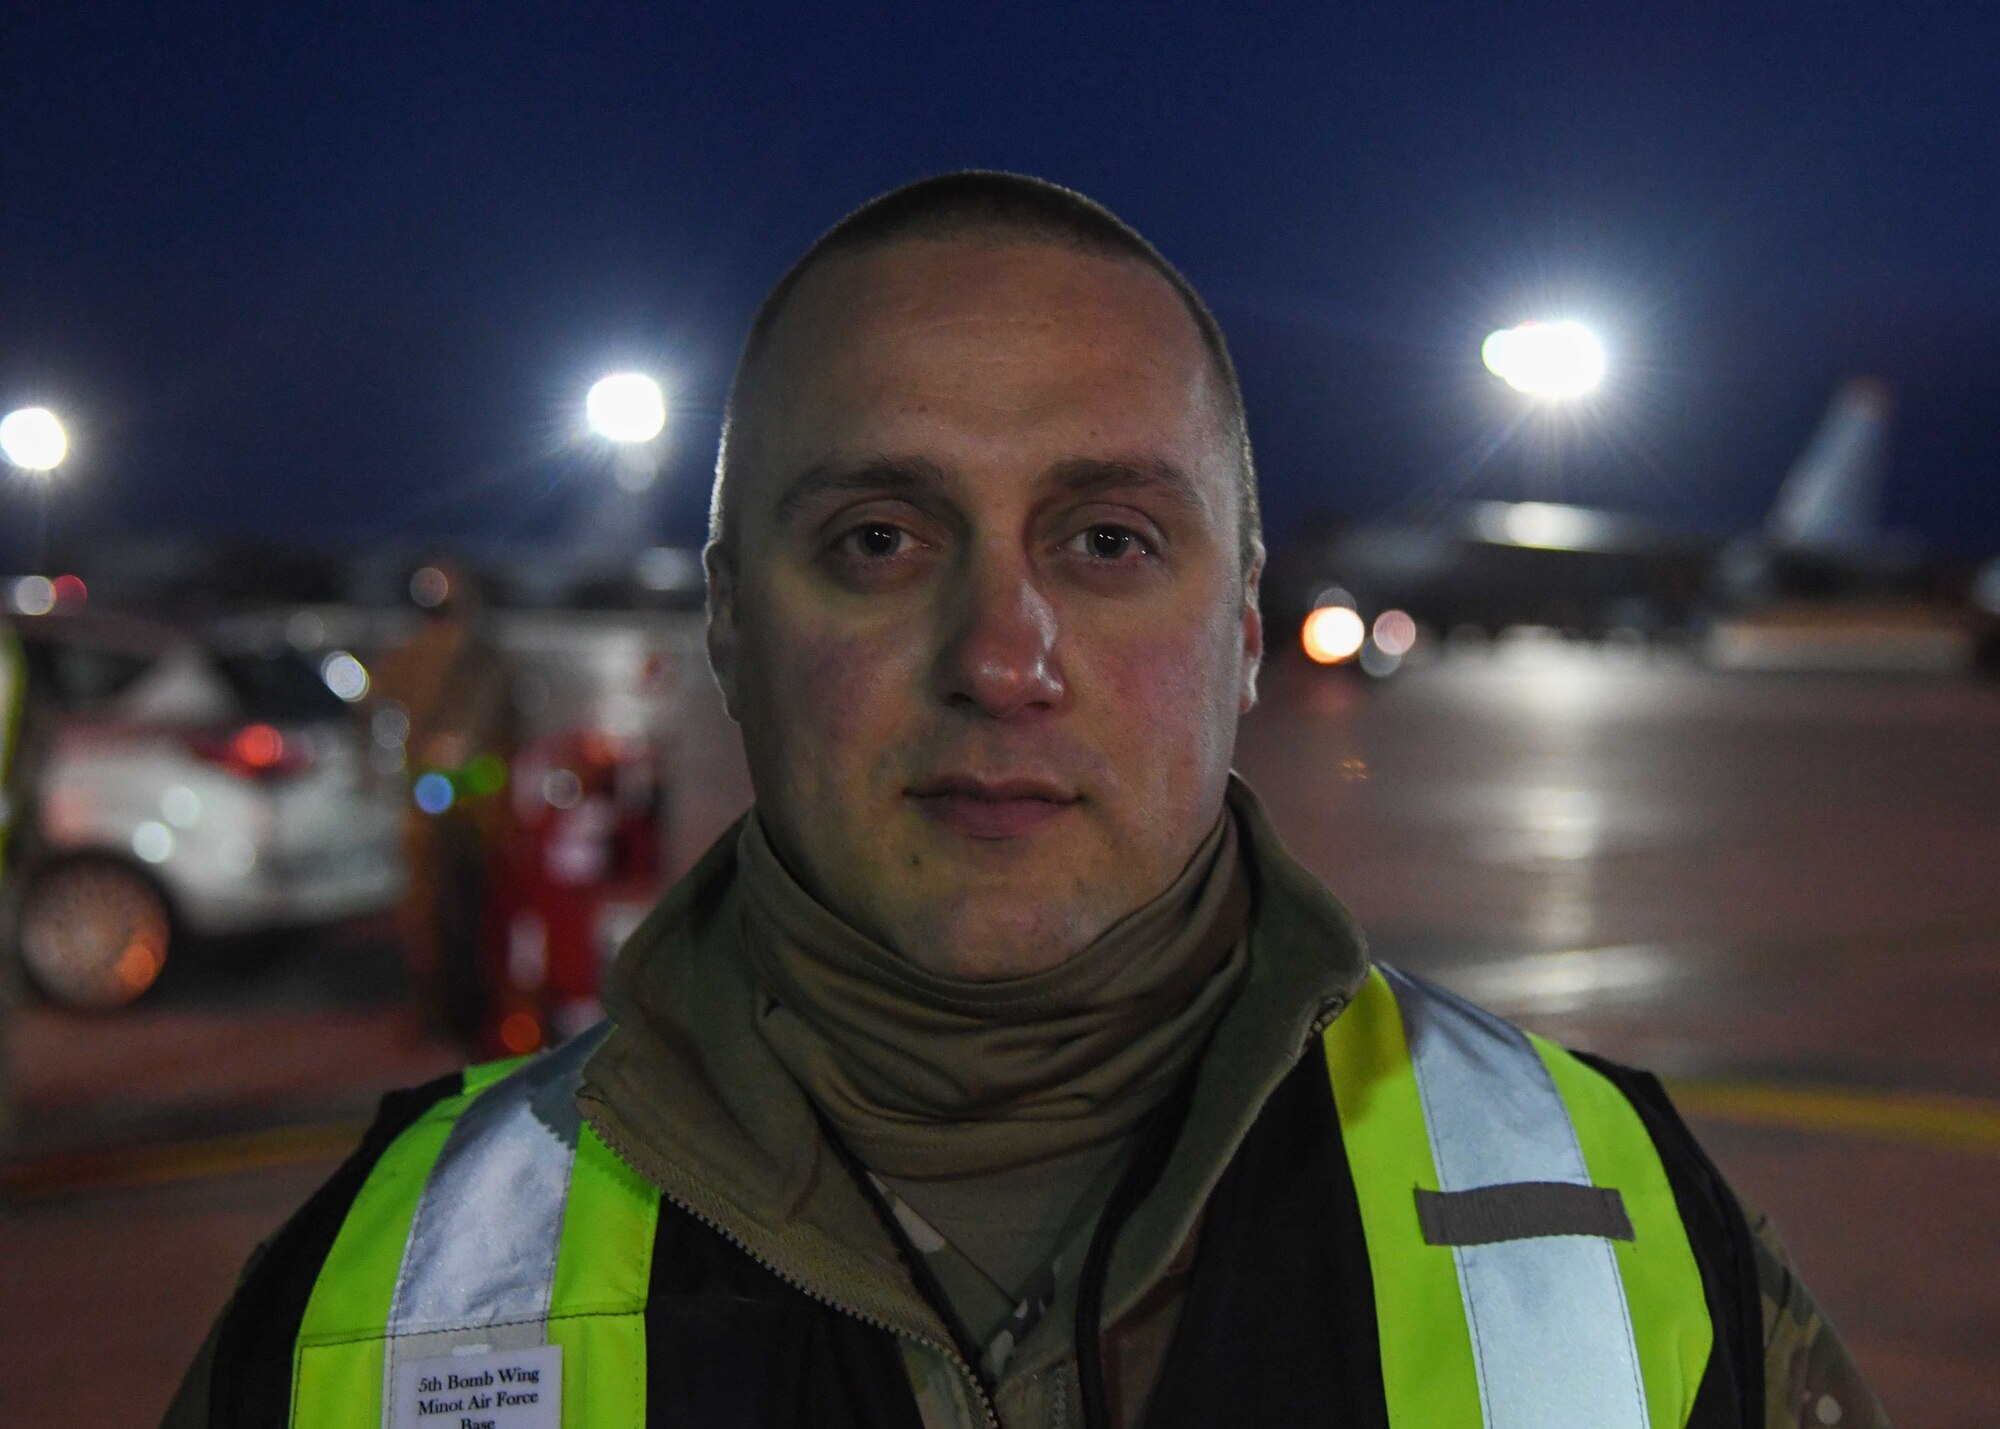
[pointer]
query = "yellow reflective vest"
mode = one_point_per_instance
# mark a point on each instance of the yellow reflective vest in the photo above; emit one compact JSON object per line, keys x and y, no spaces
{"x":494,"y":1262}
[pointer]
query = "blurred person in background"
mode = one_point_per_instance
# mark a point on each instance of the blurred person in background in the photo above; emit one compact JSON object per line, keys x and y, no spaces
{"x":1001,"y":1067}
{"x":456,"y":690}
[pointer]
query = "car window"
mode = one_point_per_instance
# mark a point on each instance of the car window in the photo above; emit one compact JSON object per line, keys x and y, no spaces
{"x":76,"y":676}
{"x":280,"y":687}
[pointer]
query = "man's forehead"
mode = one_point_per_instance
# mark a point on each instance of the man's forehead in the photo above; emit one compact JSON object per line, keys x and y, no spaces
{"x":985,"y":343}
{"x":882,"y":297}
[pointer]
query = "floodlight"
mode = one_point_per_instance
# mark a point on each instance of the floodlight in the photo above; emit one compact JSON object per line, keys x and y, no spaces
{"x":33,"y":439}
{"x":626,"y":407}
{"x":1554,"y":361}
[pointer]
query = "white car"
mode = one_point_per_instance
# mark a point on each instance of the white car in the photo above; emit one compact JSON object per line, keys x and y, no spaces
{"x":190,"y":787}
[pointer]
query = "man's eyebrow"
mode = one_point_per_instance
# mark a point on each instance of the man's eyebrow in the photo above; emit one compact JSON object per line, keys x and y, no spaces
{"x":878,"y":476}
{"x":1088,"y":476}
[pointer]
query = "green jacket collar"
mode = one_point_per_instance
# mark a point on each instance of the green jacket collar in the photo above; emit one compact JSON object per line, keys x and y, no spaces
{"x":687,"y":1092}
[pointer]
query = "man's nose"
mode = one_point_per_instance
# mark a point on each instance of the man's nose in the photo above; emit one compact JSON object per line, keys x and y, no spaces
{"x":999,"y":656}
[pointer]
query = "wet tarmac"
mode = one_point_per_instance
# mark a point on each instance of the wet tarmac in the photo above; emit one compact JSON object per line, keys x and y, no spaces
{"x":1783,"y":893}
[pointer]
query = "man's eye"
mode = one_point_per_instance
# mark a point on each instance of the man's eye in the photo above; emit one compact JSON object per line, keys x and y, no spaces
{"x":1109,"y":543}
{"x":875,"y":540}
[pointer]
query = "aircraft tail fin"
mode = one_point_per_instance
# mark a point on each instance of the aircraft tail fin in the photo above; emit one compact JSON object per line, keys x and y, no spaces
{"x":1832,"y":496}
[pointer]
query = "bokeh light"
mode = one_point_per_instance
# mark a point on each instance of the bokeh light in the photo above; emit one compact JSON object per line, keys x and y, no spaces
{"x":485,"y":774}
{"x":182,"y":806}
{"x":390,"y":726}
{"x":1332,"y":634}
{"x":562,"y":789}
{"x":258,"y":747}
{"x":344,"y":675}
{"x":153,"y":841}
{"x":520,"y":1033}
{"x":433,"y":793}
{"x":34,"y":595}
{"x":1378,"y":662}
{"x":1395,"y":632}
{"x":430,"y":587}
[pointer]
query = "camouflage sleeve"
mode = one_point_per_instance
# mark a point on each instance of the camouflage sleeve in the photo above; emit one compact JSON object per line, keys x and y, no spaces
{"x":1809,"y":1382}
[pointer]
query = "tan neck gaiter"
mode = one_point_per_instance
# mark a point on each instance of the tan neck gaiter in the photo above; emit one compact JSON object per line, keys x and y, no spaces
{"x":930,"y":1076}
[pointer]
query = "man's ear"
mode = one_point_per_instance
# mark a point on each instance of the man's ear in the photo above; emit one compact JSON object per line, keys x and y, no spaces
{"x":720,"y":567}
{"x":1253,"y":632}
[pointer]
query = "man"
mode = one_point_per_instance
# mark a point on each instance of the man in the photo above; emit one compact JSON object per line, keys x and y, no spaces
{"x":1001,"y":1067}
{"x":455,"y":689}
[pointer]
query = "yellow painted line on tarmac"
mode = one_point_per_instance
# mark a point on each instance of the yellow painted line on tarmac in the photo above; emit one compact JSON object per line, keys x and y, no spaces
{"x":120,"y":1168}
{"x":1914,"y":1118}
{"x":1911,"y":1118}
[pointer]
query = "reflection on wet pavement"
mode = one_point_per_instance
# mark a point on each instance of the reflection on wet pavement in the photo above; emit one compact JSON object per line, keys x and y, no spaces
{"x":1781,"y":893}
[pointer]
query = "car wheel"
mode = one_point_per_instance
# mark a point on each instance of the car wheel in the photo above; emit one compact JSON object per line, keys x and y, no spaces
{"x":94,"y":933}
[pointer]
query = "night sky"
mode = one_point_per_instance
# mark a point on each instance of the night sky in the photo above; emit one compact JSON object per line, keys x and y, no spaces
{"x":343,"y":279}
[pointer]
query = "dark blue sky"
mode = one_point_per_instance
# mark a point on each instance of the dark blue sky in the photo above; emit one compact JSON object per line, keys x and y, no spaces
{"x":345,"y":278}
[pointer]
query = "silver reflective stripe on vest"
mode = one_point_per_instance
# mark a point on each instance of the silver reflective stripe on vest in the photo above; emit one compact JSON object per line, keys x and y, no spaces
{"x":1551,"y":1333}
{"x":479,"y":1266}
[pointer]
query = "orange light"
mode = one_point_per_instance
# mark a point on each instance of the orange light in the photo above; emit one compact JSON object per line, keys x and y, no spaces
{"x":520,"y":1032}
{"x":258,"y":746}
{"x":1333,"y":633}
{"x":139,"y":964}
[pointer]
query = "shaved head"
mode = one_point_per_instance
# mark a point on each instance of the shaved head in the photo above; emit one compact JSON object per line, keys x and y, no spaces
{"x":991,"y":615}
{"x":981,"y":207}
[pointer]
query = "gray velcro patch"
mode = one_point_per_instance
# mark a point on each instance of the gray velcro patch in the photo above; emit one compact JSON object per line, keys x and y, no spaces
{"x":1521,"y":1210}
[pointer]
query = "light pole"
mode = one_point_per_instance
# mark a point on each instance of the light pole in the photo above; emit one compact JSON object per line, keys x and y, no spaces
{"x":33,"y":441}
{"x":1555,"y":365}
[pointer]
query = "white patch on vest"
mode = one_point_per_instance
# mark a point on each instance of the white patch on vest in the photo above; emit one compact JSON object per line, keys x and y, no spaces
{"x":500,"y":1389}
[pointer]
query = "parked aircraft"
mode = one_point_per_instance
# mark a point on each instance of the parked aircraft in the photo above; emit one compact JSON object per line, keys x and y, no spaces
{"x":1820,"y":584}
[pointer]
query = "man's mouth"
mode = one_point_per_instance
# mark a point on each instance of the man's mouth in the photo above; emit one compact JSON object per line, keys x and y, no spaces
{"x":993,"y":808}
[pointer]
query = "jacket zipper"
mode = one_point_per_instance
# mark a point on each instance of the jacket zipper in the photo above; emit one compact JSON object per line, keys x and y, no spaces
{"x":1096,"y":1265}
{"x":950,"y":1353}
{"x":1332,"y":1009}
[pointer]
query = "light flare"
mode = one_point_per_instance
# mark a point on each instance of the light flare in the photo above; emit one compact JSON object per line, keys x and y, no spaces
{"x":1556,"y":361}
{"x":33,"y":439}
{"x":626,"y":408}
